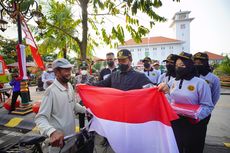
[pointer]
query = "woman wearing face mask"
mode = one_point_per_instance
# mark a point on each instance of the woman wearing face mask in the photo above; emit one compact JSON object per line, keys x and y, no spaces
{"x":204,"y":72}
{"x":151,"y":73}
{"x":171,"y":72}
{"x":189,"y":89}
{"x":83,"y":78}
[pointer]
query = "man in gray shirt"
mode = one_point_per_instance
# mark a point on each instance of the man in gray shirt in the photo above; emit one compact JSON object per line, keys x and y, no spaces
{"x":56,"y":116}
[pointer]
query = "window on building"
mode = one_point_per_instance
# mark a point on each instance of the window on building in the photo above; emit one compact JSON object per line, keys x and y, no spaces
{"x":182,"y":16}
{"x":182,"y":48}
{"x":162,"y":48}
{"x":170,"y":47}
{"x":139,"y":52}
{"x":182,"y":26}
{"x":155,"y":48}
{"x":146,"y":53}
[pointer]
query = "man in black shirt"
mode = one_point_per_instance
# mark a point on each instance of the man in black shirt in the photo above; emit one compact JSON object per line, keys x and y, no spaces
{"x":126,"y":78}
{"x":111,"y":67}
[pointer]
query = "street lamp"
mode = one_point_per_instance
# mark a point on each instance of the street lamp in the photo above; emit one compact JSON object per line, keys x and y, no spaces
{"x":16,"y":10}
{"x":3,"y":23}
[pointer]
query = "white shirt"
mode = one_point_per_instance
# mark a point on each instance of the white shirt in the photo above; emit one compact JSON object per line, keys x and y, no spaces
{"x":165,"y":79}
{"x":214,"y":84}
{"x":47,"y":76}
{"x":57,"y":112}
{"x":153,"y":75}
{"x":194,"y":91}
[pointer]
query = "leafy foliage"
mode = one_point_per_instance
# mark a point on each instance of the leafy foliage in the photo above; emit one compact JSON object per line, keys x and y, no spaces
{"x":59,"y":21}
{"x":224,"y":67}
{"x":95,"y":15}
{"x":8,"y":49}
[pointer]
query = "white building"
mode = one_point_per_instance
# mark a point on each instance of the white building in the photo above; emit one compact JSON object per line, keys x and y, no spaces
{"x":158,"y":48}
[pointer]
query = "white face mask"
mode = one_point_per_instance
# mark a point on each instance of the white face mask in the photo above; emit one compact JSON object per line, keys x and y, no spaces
{"x":84,"y":72}
{"x":49,"y":69}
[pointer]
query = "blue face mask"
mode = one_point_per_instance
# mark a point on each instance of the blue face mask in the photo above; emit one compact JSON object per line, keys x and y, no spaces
{"x":123,"y":67}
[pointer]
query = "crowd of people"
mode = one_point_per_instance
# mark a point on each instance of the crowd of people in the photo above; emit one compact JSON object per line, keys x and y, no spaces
{"x":188,"y":80}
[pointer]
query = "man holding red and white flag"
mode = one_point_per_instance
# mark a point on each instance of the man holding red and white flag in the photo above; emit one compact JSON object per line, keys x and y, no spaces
{"x":133,"y":121}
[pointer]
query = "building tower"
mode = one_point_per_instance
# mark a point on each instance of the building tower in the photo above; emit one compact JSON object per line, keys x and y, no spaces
{"x":181,"y":26}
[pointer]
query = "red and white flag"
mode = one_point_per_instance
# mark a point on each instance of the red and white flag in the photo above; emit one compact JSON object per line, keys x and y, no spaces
{"x":189,"y":110}
{"x":135,"y":121}
{"x":21,"y":62}
{"x":33,"y":47}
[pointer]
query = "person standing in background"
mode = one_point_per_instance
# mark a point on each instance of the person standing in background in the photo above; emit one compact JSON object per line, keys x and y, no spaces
{"x":171,"y":72}
{"x":83,"y":78}
{"x":149,"y":72}
{"x":111,"y":67}
{"x":204,"y":71}
{"x":16,"y":91}
{"x":48,"y":76}
{"x":156,"y":66}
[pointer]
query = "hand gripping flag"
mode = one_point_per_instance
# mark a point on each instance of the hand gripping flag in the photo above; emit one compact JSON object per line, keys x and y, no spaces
{"x":135,"y":121}
{"x":33,"y":47}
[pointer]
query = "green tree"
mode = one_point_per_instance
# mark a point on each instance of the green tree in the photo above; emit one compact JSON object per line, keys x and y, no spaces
{"x":8,"y":49}
{"x":224,"y":67}
{"x":95,"y":15}
{"x":58,"y":20}
{"x":103,"y":11}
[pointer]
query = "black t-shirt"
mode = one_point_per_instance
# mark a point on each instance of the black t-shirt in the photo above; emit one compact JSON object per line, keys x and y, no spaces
{"x":105,"y":73}
{"x":125,"y":81}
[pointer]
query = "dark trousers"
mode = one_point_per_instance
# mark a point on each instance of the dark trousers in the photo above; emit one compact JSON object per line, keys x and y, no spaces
{"x":14,"y":99}
{"x":190,"y":137}
{"x":81,"y":120}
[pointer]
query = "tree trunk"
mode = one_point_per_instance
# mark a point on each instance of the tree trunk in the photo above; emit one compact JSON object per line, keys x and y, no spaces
{"x":83,"y":46}
{"x":64,"y":53}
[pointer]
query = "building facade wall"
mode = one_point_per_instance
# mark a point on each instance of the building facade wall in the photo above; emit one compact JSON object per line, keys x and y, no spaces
{"x":181,"y":26}
{"x":155,"y":52}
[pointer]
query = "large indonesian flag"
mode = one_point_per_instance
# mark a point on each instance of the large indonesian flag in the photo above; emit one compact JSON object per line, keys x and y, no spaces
{"x":135,"y":121}
{"x":33,"y":47}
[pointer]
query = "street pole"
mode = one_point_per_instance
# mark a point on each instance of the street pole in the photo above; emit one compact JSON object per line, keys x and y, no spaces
{"x":18,"y":10}
{"x":24,"y":83}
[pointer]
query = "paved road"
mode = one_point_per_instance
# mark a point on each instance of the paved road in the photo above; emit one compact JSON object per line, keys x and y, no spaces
{"x":218,"y":129}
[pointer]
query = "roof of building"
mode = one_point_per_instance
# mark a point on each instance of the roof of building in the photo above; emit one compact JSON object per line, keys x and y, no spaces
{"x":180,"y":12}
{"x":213,"y":56}
{"x":153,"y":40}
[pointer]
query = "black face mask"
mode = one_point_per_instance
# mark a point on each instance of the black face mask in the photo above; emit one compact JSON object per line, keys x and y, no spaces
{"x":201,"y":69}
{"x":110,"y":63}
{"x":123,"y":67}
{"x":181,"y":72}
{"x":184,"y":73}
{"x":170,"y":70}
{"x":146,"y":65}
